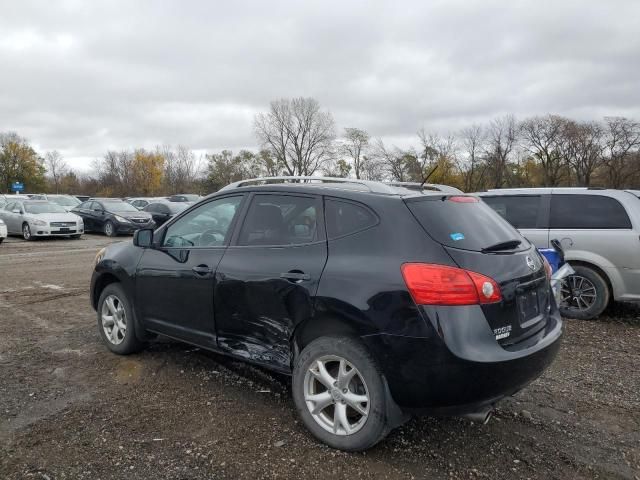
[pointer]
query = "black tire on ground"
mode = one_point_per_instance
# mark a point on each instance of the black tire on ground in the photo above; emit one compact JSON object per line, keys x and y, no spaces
{"x":375,"y":427}
{"x":26,"y":232}
{"x":601,"y":291}
{"x":1,"y":240}
{"x":130,"y":342}
{"x":110,"y":229}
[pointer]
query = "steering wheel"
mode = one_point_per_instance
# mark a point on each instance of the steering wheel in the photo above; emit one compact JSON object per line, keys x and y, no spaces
{"x":210,"y":237}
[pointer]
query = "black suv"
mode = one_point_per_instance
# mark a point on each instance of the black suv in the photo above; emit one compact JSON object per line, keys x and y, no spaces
{"x":380,"y":301}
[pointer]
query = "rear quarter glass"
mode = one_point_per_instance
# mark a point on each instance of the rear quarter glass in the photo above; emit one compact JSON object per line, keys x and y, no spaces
{"x":468,"y":225}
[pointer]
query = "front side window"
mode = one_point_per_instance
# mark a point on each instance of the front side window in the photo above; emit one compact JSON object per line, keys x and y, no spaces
{"x":206,"y":226}
{"x":521,"y":211}
{"x":280,"y":220}
{"x":344,"y":218}
{"x":587,"y":212}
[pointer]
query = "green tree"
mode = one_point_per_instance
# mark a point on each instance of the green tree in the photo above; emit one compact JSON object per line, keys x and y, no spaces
{"x":20,"y":163}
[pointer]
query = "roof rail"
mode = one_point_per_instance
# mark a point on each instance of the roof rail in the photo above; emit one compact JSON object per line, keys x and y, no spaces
{"x":373,"y":186}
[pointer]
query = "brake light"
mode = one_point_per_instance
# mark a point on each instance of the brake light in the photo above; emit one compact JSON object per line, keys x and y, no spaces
{"x":431,"y":284}
{"x":465,"y":199}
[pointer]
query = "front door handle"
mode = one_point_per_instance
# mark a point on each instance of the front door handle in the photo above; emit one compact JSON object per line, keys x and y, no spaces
{"x":295,"y":276}
{"x":202,"y":270}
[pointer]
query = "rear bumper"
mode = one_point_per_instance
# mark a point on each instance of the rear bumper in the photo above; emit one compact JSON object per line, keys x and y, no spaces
{"x":459,"y":366}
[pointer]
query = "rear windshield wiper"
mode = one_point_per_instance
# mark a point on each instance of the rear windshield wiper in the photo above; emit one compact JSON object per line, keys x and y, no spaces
{"x":507,"y":245}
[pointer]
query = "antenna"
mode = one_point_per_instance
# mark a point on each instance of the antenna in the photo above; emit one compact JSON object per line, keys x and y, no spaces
{"x":429,"y":175}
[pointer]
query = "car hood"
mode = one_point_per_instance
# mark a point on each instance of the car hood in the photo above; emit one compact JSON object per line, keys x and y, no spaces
{"x":130,"y":215}
{"x":53,"y":217}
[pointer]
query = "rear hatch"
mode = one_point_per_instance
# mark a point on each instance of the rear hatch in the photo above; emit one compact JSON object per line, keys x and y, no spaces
{"x":479,"y":240}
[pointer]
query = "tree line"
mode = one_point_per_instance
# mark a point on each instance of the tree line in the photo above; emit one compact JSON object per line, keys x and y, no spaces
{"x":298,"y":137}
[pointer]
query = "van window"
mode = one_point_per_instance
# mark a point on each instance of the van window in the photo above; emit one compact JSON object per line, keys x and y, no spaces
{"x":521,"y":211}
{"x":587,"y":212}
{"x":344,"y":218}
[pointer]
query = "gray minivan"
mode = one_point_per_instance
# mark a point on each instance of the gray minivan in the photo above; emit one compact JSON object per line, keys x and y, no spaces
{"x":599,"y":231}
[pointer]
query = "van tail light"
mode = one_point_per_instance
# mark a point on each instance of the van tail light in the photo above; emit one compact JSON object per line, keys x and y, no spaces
{"x":431,"y":284}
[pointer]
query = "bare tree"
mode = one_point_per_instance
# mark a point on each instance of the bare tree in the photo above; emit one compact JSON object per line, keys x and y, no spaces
{"x":298,"y":134}
{"x":355,"y":145}
{"x":622,"y":139}
{"x":472,"y":139}
{"x":56,"y":167}
{"x":501,"y":140}
{"x":582,"y":148}
{"x":541,"y":137}
{"x":181,"y":168}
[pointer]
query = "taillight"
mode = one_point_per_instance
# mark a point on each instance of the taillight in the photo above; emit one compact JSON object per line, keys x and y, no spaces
{"x":463,"y":199}
{"x":547,"y":267}
{"x":442,"y":285}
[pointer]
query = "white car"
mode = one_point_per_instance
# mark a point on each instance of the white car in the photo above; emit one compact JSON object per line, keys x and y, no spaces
{"x":3,"y":230}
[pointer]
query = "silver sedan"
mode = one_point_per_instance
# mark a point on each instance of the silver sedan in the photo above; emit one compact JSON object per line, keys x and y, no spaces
{"x":37,"y":218}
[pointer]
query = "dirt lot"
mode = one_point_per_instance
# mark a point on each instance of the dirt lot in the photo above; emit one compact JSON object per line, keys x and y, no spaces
{"x":70,"y":409}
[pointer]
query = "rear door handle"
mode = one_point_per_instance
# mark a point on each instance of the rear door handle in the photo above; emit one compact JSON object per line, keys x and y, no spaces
{"x":295,"y":276}
{"x":201,"y":270}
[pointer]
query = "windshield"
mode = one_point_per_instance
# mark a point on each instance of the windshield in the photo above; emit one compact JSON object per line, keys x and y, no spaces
{"x":65,"y":201}
{"x":176,"y":207}
{"x":37,"y":208}
{"x":464,"y":222}
{"x":119,"y":207}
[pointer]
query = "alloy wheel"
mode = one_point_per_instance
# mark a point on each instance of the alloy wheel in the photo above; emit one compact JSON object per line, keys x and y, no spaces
{"x":578,"y":293}
{"x":336,"y":395}
{"x":114,"y":319}
{"x":108,"y":229}
{"x":26,"y":232}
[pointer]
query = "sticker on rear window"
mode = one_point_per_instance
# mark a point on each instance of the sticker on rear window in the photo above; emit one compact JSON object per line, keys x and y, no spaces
{"x":457,"y":236}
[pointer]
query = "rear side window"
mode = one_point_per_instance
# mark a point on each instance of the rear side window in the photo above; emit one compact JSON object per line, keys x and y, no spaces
{"x":463,"y":222}
{"x":344,"y":218}
{"x":587,"y":212}
{"x":521,"y":211}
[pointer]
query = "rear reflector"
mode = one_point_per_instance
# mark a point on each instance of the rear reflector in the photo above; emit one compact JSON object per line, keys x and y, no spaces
{"x":431,"y":284}
{"x":461,"y":199}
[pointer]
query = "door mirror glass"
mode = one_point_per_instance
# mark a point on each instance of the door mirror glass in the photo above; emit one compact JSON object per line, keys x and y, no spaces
{"x":143,"y":238}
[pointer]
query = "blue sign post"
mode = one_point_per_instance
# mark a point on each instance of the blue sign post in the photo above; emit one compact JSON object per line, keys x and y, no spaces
{"x":17,"y":187}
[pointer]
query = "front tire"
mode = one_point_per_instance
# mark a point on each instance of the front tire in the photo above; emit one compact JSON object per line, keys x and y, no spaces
{"x":26,"y":232}
{"x":116,"y":325}
{"x":339,"y":393}
{"x":585,"y":294}
{"x":110,"y":229}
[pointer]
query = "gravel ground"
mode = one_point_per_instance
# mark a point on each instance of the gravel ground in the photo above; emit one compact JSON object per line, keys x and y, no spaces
{"x":70,"y":409}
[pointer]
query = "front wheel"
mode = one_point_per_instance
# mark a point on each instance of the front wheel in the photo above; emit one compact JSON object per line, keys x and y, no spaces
{"x":584,"y":295}
{"x":26,"y":232}
{"x":339,"y":393}
{"x":115,"y":321}
{"x":110,"y":229}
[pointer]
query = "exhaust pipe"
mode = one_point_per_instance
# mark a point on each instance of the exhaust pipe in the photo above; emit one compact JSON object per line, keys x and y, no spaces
{"x":481,"y":416}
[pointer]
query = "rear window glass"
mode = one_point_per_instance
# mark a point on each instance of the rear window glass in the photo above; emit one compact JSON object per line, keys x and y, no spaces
{"x":587,"y":212}
{"x":521,"y":211}
{"x":469,"y":225}
{"x":344,"y":218}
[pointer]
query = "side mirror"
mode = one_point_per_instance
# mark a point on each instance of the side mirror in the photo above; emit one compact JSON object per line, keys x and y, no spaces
{"x":16,"y":210}
{"x":143,"y":238}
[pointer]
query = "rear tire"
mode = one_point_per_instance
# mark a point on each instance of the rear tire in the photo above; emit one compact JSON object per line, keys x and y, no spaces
{"x":116,"y":324}
{"x":110,"y":229}
{"x":577,"y":291}
{"x":363,"y":430}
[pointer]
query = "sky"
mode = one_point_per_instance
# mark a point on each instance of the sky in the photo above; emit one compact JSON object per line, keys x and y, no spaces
{"x":83,"y":77}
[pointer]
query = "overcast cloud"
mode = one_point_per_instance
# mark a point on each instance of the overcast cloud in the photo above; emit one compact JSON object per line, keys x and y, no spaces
{"x":86,"y":76}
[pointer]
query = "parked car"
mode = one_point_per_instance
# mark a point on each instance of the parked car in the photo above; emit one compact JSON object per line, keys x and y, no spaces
{"x":3,"y":230}
{"x":635,"y":192}
{"x":112,"y":216}
{"x":163,"y":211}
{"x":185,"y":197}
{"x":380,"y":302}
{"x":40,"y":218}
{"x":141,"y":202}
{"x":599,"y":231}
{"x":82,"y":198}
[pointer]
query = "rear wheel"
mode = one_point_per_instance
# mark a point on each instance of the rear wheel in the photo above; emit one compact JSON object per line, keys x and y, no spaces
{"x":339,"y":394}
{"x":26,"y":232}
{"x":109,"y":229}
{"x":584,"y":295}
{"x":115,"y":321}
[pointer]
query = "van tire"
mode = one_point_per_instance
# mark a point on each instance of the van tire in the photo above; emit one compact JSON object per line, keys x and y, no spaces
{"x":601,"y":291}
